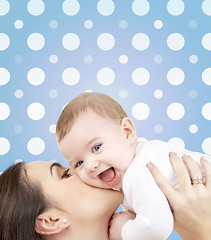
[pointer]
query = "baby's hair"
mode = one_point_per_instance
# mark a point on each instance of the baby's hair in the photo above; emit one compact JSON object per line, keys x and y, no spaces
{"x":100,"y":104}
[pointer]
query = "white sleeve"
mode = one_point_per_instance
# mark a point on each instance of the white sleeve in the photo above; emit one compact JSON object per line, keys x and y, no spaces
{"x":154,"y":219}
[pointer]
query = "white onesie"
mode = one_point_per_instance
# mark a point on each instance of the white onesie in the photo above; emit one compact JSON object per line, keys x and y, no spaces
{"x":154,"y":219}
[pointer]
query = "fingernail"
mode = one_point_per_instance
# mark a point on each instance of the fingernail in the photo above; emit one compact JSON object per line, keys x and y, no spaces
{"x":203,"y":160}
{"x":184,"y":156}
{"x":149,"y":165}
{"x":172,"y":154}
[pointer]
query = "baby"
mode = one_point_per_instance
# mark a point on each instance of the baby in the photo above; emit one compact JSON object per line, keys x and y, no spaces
{"x":99,"y":141}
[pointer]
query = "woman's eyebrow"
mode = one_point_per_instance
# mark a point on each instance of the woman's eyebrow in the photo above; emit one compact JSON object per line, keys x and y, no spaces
{"x":55,"y":164}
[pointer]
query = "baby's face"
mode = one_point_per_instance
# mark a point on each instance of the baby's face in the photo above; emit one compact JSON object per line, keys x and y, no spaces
{"x":98,"y":149}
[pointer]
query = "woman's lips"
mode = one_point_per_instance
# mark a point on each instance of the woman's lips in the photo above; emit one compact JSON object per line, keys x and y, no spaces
{"x":110,"y":176}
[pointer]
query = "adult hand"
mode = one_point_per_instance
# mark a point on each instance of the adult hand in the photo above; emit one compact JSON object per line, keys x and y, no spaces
{"x":190,"y":203}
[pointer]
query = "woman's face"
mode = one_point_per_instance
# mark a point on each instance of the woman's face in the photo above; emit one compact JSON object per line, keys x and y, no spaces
{"x":66,"y":191}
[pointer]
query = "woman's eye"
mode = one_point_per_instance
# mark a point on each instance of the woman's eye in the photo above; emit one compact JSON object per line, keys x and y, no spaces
{"x":66,"y":174}
{"x":79,"y":163}
{"x":96,"y":148}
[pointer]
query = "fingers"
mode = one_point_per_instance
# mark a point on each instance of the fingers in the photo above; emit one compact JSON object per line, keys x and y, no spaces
{"x":207,"y":166}
{"x":161,"y":181}
{"x":180,"y":170}
{"x":195,"y":172}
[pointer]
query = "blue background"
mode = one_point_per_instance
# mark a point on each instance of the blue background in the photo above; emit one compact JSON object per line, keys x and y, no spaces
{"x":53,"y":22}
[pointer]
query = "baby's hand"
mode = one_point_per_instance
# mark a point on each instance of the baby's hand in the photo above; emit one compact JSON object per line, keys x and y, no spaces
{"x":116,"y":224}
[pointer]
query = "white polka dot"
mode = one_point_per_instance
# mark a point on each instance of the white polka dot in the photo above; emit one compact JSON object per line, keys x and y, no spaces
{"x":53,"y":94}
{"x":71,"y":41}
{"x":206,"y":111}
{"x":193,"y":128}
{"x":158,"y":128}
{"x":193,"y":24}
{"x":123,"y":59}
{"x":158,"y":59}
{"x":18,"y":58}
{"x":71,"y":7}
{"x":18,"y":24}
{"x":140,"y":76}
{"x":206,"y":145}
{"x":88,"y":24}
{"x":36,"y":41}
{"x":35,"y":7}
{"x":52,"y":128}
{"x":123,"y":93}
{"x":175,"y":41}
{"x":88,"y":59}
{"x":71,"y":76}
{"x":193,"y":59}
{"x":140,"y":111}
{"x":175,"y":111}
{"x":105,"y":76}
{"x":4,"y":111}
{"x":105,"y":41}
{"x":123,"y":24}
{"x":36,"y":76}
{"x":206,"y":41}
{"x":53,"y":59}
{"x":18,"y":161}
{"x":36,"y":146}
{"x":4,"y":146}
{"x":18,"y":93}
{"x":177,"y":141}
{"x":175,"y":7}
{"x":140,"y":7}
{"x":5,"y":7}
{"x":4,"y":41}
{"x":175,"y":76}
{"x":105,"y":7}
{"x":4,"y":76}
{"x":142,"y":139}
{"x":36,"y":111}
{"x":158,"y":93}
{"x":206,"y":7}
{"x":158,"y":24}
{"x":140,"y":41}
{"x":53,"y":24}
{"x":206,"y":76}
{"x":88,"y":90}
{"x":18,"y":128}
{"x":53,"y":160}
{"x":193,"y":94}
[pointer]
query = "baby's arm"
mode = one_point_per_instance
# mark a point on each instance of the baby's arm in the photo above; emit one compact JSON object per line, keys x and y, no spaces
{"x":154,"y":219}
{"x":116,"y":224}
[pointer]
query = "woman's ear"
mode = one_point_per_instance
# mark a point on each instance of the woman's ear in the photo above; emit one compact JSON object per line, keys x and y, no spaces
{"x":51,"y":222}
{"x":129,"y":130}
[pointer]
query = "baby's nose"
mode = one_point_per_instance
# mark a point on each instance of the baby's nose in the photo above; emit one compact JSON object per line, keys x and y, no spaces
{"x":91,"y":166}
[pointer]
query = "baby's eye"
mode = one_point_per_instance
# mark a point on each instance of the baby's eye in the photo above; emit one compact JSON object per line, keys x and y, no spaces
{"x":96,"y":148}
{"x":66,"y":174}
{"x":79,"y":163}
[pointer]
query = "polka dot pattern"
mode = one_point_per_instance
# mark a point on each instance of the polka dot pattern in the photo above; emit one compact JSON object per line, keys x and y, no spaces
{"x":153,"y":58}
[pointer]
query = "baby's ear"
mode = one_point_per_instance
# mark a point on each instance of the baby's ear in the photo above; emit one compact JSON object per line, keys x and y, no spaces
{"x":51,"y":222}
{"x":128,"y":128}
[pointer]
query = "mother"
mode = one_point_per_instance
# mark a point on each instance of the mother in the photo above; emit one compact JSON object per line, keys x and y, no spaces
{"x":42,"y":200}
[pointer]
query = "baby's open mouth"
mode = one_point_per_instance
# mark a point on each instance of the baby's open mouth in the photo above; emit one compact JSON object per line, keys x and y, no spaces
{"x":110,"y":176}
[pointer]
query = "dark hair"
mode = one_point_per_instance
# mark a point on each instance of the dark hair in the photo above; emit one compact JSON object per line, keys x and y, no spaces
{"x":20,"y":203}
